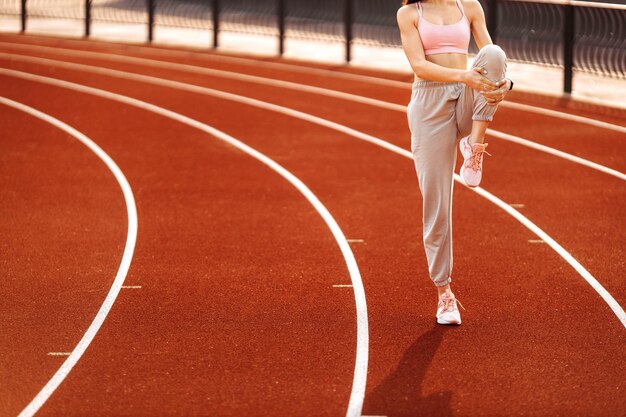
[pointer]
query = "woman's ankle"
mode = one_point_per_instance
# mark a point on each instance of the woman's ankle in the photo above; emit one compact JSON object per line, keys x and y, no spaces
{"x":476,"y":139}
{"x":443,"y":289}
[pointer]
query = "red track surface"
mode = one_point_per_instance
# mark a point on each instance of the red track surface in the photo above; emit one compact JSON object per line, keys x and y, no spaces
{"x":237,"y":314}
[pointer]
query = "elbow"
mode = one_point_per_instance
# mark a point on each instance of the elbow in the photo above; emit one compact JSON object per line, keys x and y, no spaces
{"x":419,"y":68}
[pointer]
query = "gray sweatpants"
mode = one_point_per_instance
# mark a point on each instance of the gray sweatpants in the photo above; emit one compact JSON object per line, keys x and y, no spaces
{"x":440,"y":113}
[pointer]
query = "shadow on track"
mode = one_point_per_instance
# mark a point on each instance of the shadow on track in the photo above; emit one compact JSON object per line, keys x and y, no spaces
{"x":399,"y":395}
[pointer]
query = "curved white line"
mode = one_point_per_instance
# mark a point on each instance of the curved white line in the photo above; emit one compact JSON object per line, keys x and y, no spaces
{"x":606,"y":296}
{"x":564,"y":116}
{"x":194,"y":69}
{"x":309,"y":88}
{"x":556,"y":152}
{"x":303,"y":69}
{"x":214,"y":73}
{"x":563,"y":253}
{"x":361,"y":362}
{"x":314,"y":90}
{"x":261,"y":63}
{"x":131,"y":238}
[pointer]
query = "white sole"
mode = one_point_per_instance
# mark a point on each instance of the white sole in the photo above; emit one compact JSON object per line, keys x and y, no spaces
{"x":453,"y":323}
{"x":463,"y":179}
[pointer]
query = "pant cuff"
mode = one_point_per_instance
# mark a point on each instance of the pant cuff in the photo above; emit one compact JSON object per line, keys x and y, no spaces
{"x":482,"y":118}
{"x":443,"y":283}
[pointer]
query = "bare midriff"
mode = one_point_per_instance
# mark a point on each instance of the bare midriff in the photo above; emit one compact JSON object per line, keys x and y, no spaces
{"x":448,"y":60}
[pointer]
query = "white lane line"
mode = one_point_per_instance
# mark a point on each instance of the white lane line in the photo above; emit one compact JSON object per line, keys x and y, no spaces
{"x":556,"y":152}
{"x":322,"y":91}
{"x":217,"y":73}
{"x":606,"y":296}
{"x":403,"y":85}
{"x":303,"y":87}
{"x":131,"y":239}
{"x":223,"y":57}
{"x":564,"y":116}
{"x":561,"y":251}
{"x":360,"y":372}
{"x":59,"y":353}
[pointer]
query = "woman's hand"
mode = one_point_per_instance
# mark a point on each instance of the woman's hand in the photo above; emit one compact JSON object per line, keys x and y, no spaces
{"x":493,"y":97}
{"x":476,"y":80}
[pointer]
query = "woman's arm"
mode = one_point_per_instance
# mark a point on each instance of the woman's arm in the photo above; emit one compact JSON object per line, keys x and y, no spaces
{"x":476,"y":16}
{"x":414,"y":50}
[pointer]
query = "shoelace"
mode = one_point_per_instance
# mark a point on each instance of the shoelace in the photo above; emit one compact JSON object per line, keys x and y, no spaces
{"x":476,"y":158}
{"x":449,"y":302}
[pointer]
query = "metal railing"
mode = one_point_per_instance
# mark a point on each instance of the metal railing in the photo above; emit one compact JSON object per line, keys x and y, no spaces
{"x":573,"y":35}
{"x":585,"y":36}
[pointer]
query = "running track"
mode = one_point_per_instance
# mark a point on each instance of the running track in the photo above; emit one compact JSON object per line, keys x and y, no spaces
{"x":242,"y":297}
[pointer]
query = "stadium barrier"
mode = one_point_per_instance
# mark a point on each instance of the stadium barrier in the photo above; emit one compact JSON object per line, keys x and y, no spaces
{"x":569,"y":34}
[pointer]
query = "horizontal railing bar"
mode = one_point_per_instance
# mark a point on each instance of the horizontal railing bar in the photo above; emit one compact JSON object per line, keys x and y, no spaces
{"x":594,"y":5}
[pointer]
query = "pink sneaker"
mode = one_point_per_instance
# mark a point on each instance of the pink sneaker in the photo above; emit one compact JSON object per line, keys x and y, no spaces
{"x":447,"y":311}
{"x":472,"y":168}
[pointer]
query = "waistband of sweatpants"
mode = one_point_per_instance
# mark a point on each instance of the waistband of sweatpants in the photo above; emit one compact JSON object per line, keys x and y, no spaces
{"x":433,"y":84}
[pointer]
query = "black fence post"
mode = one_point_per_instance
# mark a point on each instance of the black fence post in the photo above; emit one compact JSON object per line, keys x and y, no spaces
{"x":568,"y":47}
{"x":281,"y":27}
{"x":492,"y":19}
{"x":348,"y":28}
{"x":216,"y":23}
{"x":151,"y":7}
{"x":87,"y":18}
{"x":23,"y":16}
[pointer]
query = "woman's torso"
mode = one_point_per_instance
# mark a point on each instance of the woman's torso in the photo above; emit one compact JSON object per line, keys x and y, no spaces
{"x":434,"y":20}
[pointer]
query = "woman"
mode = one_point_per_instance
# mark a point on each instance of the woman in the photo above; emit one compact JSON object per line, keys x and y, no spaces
{"x":448,"y":104}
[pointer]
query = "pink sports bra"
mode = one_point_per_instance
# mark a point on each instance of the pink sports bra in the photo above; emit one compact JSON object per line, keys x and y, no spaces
{"x":441,"y":39}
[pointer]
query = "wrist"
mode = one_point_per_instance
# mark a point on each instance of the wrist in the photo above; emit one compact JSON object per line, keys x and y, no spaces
{"x":462,"y":76}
